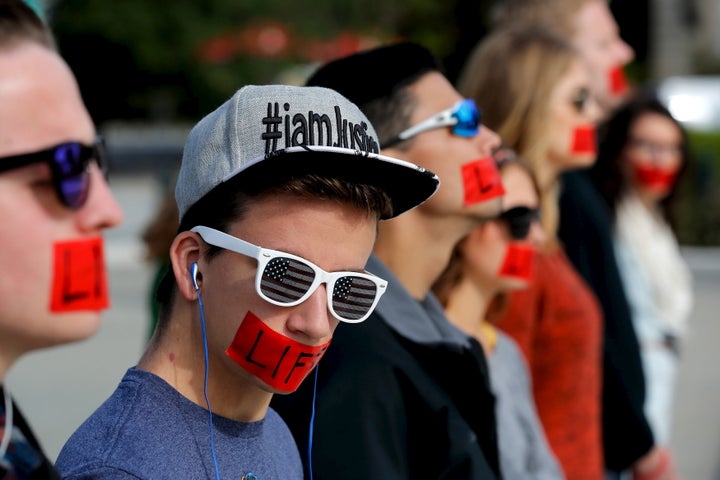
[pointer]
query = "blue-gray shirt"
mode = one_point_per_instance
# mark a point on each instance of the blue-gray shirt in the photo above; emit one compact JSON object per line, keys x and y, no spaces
{"x":148,"y":430}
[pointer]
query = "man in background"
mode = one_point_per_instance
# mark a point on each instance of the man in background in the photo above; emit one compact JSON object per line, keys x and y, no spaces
{"x":405,"y":395}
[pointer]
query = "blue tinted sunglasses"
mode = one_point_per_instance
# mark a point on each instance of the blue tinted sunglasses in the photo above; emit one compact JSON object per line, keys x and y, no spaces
{"x":69,"y":164}
{"x":463,"y":117}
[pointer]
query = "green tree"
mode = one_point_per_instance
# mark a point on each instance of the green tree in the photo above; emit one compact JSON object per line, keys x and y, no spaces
{"x":180,"y":59}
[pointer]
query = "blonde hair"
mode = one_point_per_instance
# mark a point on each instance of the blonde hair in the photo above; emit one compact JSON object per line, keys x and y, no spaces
{"x":557,"y":15}
{"x":511,"y":74}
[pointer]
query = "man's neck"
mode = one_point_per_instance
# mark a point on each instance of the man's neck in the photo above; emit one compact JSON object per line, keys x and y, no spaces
{"x":417,"y":248}
{"x":178,"y":358}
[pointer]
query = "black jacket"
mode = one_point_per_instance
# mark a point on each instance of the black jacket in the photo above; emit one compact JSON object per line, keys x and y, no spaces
{"x":586,"y":233}
{"x":392,"y":405}
{"x":24,"y":457}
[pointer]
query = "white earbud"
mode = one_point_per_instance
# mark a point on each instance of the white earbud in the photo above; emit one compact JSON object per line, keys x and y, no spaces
{"x":194,"y":273}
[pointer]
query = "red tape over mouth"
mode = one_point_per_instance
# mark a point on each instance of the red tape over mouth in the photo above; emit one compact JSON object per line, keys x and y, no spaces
{"x":79,"y":276}
{"x":482,"y":181}
{"x":617,"y":81}
{"x":277,"y":360}
{"x":518,"y":262}
{"x":584,"y":141}
{"x":655,"y":177}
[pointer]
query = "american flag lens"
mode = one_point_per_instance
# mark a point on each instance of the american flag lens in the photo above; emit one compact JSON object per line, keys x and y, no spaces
{"x":286,"y":280}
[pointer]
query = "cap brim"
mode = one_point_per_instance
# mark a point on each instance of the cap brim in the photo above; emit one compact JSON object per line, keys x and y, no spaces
{"x":407,"y":184}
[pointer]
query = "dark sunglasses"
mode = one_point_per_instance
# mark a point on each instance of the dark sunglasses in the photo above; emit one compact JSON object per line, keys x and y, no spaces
{"x":519,"y":220}
{"x":69,"y":164}
{"x":464,"y":118}
{"x":287,"y":280}
{"x":581,"y":98}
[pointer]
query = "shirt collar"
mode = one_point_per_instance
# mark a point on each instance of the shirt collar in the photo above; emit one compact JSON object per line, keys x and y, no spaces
{"x":422,"y":321}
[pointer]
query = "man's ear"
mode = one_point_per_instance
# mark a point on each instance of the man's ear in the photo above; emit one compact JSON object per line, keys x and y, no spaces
{"x":184,"y":252}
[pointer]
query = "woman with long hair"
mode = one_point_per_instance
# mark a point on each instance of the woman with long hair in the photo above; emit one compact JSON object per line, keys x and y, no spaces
{"x":494,"y":259}
{"x":643,"y":153}
{"x":534,"y":90}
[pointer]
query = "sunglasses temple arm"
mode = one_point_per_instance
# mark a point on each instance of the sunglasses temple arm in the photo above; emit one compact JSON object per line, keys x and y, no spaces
{"x":228,"y":242}
{"x":443,"y":119}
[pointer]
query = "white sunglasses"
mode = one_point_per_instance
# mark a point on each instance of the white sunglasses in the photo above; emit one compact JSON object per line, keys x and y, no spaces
{"x":287,"y":280}
{"x":464,"y":118}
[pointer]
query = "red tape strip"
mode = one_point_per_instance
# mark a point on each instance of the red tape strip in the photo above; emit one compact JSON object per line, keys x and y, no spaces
{"x":79,"y":276}
{"x":277,"y":360}
{"x":482,"y":181}
{"x":518,"y":262}
{"x":584,"y":141}
{"x":617,"y":81}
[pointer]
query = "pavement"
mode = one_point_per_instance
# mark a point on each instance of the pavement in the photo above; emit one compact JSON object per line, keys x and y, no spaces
{"x":695,"y":437}
{"x":60,"y":387}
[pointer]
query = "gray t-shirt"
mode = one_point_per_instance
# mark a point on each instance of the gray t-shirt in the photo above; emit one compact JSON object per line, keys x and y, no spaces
{"x":148,"y":430}
{"x":524,"y":450}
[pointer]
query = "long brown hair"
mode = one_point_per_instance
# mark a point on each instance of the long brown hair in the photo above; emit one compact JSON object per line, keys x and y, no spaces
{"x":608,"y":172}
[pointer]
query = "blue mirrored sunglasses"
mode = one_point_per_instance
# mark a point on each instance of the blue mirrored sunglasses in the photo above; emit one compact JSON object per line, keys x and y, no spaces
{"x":69,"y":164}
{"x":464,"y":118}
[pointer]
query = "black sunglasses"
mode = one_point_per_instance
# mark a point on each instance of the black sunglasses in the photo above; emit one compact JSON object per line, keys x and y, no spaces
{"x":581,"y":98}
{"x":519,"y":220}
{"x":69,"y":164}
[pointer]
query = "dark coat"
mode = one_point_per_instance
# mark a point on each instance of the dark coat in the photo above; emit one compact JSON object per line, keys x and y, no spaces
{"x":391,"y":407}
{"x":586,"y":233}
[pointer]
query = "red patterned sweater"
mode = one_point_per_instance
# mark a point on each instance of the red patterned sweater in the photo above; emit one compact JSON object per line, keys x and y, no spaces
{"x":557,"y":323}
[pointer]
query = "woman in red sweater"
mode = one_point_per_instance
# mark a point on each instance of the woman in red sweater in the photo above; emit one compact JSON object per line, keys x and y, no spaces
{"x":534,"y":90}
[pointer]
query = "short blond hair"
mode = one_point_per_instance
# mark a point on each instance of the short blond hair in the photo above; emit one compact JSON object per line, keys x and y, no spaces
{"x":557,"y":15}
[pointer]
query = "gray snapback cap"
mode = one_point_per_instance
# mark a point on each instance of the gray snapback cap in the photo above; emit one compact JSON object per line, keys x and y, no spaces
{"x":297,"y":130}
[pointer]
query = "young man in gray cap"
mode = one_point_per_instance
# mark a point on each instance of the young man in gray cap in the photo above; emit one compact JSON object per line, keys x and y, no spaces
{"x":406,"y":395}
{"x":280,"y":192}
{"x":55,"y":204}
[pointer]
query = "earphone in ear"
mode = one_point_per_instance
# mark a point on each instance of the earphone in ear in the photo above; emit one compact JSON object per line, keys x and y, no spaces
{"x":194,"y":273}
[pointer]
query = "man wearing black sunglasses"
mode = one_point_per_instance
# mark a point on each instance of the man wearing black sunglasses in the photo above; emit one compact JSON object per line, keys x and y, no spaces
{"x":54,"y":203}
{"x":406,"y":395}
{"x":279,"y":195}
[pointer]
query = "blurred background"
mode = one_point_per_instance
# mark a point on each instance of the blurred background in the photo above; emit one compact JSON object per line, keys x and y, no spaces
{"x":149,"y":69}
